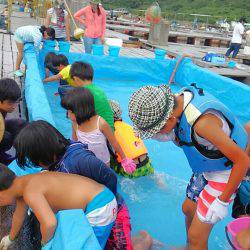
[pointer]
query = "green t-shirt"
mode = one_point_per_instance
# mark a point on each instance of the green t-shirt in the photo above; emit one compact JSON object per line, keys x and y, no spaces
{"x":102,"y":104}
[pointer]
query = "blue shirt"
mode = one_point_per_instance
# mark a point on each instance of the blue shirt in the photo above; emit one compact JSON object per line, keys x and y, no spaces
{"x":79,"y":160}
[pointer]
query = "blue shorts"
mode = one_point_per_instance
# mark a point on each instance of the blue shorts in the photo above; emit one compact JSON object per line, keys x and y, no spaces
{"x":101,"y":213}
{"x":195,"y":186}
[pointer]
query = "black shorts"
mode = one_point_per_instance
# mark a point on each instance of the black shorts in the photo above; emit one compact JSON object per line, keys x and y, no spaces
{"x":239,"y":208}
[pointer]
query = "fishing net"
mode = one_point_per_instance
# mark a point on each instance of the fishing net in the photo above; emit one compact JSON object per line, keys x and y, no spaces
{"x":153,"y":13}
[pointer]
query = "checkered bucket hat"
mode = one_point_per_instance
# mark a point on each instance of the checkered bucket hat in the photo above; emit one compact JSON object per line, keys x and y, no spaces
{"x":149,"y":109}
{"x":116,"y":109}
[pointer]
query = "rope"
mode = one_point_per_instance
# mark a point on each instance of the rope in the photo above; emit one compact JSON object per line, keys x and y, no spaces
{"x":68,"y":9}
{"x":176,"y":67}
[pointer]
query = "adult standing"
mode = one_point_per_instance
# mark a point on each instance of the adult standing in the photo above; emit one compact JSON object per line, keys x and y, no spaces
{"x":93,"y":17}
{"x":58,"y":19}
{"x":237,"y":38}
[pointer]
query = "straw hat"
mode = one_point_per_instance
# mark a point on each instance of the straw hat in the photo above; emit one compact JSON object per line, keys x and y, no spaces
{"x":2,"y":126}
{"x":149,"y":109}
{"x":116,"y":109}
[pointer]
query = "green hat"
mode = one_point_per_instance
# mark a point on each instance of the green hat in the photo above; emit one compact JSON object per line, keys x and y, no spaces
{"x":149,"y":109}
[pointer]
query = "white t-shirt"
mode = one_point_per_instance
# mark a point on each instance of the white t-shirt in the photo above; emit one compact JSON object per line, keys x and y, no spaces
{"x":237,"y":33}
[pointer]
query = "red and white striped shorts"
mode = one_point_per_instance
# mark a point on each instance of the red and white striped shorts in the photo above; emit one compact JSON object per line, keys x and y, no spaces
{"x":210,"y":192}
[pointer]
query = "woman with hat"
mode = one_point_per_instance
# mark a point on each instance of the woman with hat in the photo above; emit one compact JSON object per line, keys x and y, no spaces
{"x":93,"y":17}
{"x":58,"y":19}
{"x":213,"y":141}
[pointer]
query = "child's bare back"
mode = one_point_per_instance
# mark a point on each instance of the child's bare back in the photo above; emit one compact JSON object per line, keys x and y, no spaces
{"x":62,"y":191}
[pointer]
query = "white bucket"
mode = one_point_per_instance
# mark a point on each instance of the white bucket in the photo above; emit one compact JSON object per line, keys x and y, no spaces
{"x":114,"y":42}
{"x":246,"y":50}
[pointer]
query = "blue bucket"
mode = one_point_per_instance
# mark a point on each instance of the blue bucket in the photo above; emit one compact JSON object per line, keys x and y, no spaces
{"x":49,"y":45}
{"x":114,"y":51}
{"x":64,"y":46}
{"x":98,"y":49}
{"x":21,"y":8}
{"x":160,"y":54}
{"x":231,"y":64}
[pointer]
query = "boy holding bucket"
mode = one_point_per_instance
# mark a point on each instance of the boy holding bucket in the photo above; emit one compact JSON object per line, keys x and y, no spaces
{"x":213,"y":141}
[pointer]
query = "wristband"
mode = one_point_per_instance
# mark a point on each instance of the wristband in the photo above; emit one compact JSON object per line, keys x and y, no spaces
{"x":222,"y":202}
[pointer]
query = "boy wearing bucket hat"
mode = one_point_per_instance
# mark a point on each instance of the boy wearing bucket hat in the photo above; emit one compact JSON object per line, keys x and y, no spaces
{"x":213,"y":141}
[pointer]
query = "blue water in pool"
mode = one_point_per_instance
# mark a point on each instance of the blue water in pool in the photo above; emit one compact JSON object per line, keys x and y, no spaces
{"x":154,"y":202}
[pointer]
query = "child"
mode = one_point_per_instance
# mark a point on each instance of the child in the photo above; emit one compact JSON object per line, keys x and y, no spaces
{"x":61,"y":68}
{"x":213,"y":141}
{"x":91,"y":129}
{"x":10,"y":95}
{"x":54,"y":152}
{"x":131,"y":145}
{"x":241,"y":206}
{"x":49,"y":64}
{"x":47,"y":193}
{"x":83,"y":74}
{"x":30,"y":34}
{"x":66,"y":156}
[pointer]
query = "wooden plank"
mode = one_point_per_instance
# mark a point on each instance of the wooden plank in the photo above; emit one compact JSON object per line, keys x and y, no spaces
{"x":13,"y":44}
{"x":6,"y":42}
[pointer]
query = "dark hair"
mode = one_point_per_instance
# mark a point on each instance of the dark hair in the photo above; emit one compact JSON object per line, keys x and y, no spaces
{"x":6,"y":177}
{"x":81,"y":102}
{"x":9,"y":90}
{"x":49,"y":62}
{"x":82,"y":70}
{"x":243,"y":19}
{"x":98,"y":8}
{"x":61,"y":60}
{"x":50,"y":32}
{"x":39,"y":142}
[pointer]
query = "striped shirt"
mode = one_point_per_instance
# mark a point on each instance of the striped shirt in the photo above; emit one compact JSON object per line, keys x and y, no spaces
{"x":57,"y":22}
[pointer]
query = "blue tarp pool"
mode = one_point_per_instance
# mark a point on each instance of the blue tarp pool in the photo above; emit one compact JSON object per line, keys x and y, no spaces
{"x":154,"y":201}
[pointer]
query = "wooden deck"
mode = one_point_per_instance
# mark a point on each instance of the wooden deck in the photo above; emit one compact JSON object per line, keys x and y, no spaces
{"x":8,"y":54}
{"x":196,"y":53}
{"x":8,"y":50}
{"x":184,"y":36}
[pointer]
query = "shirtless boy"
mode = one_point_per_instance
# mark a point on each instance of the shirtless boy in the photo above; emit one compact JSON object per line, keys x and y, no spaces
{"x":49,"y":192}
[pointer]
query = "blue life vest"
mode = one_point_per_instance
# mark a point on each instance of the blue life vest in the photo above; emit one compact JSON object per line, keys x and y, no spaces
{"x":200,"y":158}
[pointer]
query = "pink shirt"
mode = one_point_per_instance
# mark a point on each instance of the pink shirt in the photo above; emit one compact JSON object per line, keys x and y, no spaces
{"x":95,"y":25}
